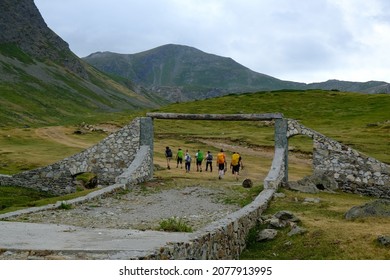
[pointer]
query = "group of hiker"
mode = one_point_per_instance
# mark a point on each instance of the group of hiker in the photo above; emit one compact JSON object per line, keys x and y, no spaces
{"x":221,"y":161}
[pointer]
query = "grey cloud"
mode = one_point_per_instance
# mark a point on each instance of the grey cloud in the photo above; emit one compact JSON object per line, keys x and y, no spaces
{"x":282,"y":38}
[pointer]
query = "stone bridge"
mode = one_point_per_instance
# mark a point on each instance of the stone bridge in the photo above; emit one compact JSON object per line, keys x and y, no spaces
{"x":125,"y":158}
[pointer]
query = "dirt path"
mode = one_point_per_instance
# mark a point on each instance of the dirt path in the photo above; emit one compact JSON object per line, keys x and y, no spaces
{"x":61,"y":135}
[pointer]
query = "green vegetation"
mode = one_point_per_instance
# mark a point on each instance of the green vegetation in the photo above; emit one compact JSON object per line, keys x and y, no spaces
{"x":15,"y":198}
{"x":88,"y":179}
{"x":241,"y":196}
{"x":174,"y":224}
{"x":65,"y":206}
{"x":13,"y":51}
{"x":329,"y":236}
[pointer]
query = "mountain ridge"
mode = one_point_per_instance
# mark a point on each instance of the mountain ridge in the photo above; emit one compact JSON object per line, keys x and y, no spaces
{"x":192,"y":72}
{"x":179,"y":68}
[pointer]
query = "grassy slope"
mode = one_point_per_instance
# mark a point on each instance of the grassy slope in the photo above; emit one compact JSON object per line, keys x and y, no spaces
{"x":329,"y":236}
{"x":37,"y":93}
{"x":355,"y":119}
{"x":345,"y":117}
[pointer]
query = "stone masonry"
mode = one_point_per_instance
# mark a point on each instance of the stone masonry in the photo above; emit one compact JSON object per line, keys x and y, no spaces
{"x":107,"y":159}
{"x":353,"y":171}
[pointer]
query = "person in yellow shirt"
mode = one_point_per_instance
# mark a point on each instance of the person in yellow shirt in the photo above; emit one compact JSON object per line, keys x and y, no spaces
{"x":235,"y":164}
{"x":221,"y":163}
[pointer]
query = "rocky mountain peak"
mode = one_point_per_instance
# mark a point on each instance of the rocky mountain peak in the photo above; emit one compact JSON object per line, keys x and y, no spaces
{"x":21,"y":24}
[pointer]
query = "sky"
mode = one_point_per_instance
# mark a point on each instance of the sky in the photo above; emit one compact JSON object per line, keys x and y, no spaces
{"x":295,"y":40}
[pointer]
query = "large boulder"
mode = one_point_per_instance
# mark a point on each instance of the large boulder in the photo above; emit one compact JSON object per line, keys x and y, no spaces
{"x":319,"y":181}
{"x":376,"y":208}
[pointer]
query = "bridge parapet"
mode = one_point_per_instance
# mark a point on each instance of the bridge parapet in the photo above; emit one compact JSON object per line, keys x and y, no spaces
{"x":107,"y":159}
{"x":353,"y":171}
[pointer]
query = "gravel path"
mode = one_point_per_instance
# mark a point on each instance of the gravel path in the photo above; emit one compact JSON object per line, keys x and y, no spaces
{"x":143,"y":210}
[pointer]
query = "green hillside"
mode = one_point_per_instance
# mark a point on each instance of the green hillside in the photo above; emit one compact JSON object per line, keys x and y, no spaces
{"x":361,"y":121}
{"x":33,"y":92}
{"x":182,"y":73}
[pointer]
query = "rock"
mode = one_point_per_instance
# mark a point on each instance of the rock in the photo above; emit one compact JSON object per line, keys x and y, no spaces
{"x":307,"y":188}
{"x":8,"y":253}
{"x":247,"y":183}
{"x":319,"y":180}
{"x":297,"y":230}
{"x":286,"y":216}
{"x":276,"y":223}
{"x":279,"y":195}
{"x":266,"y":234}
{"x":312,"y":200}
{"x":282,"y":219}
{"x":384,"y":240}
{"x":376,"y":208}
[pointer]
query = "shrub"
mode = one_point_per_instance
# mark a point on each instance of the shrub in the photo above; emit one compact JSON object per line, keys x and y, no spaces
{"x":174,"y":224}
{"x":65,"y":206}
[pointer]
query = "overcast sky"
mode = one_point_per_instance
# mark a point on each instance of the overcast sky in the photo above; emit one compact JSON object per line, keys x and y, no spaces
{"x":296,"y":40}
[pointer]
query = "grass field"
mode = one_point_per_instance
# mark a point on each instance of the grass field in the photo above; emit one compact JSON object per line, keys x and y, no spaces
{"x":358,"y":120}
{"x":329,"y":237}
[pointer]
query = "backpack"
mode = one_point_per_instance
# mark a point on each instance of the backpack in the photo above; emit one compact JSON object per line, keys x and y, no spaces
{"x":209,"y":157}
{"x":221,"y":158}
{"x":188,"y":158}
{"x":235,"y":159}
{"x":168,"y":153}
{"x":200,"y":155}
{"x":180,"y":154}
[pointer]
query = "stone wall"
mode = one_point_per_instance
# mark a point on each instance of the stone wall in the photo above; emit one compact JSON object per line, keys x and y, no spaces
{"x":277,"y":173}
{"x":353,"y":171}
{"x":139,"y":171}
{"x":107,"y":159}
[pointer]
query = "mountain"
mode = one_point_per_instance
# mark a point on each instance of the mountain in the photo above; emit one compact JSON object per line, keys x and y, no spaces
{"x":42,"y":81}
{"x":363,"y":87}
{"x":181,"y":73}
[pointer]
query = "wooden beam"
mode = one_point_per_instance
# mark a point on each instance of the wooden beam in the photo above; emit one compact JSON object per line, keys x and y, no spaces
{"x":217,"y":117}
